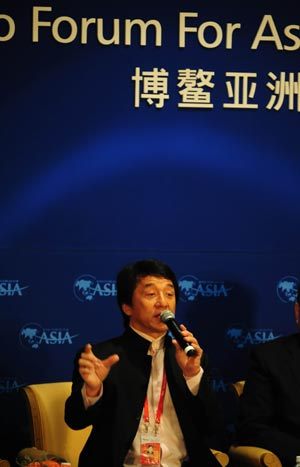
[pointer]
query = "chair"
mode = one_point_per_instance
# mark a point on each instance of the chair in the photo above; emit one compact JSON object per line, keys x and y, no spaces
{"x":221,"y":457}
{"x":250,"y":455}
{"x":49,"y":431}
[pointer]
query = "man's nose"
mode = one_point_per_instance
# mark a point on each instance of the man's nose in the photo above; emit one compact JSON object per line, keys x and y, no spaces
{"x":162,"y":300}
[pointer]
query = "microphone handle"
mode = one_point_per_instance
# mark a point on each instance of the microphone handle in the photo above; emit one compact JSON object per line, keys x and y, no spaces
{"x":176,"y":331}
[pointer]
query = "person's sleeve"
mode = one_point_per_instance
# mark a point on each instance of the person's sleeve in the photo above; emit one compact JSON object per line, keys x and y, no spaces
{"x":77,"y":414}
{"x":209,"y":408}
{"x":87,"y":400}
{"x":193,"y":382}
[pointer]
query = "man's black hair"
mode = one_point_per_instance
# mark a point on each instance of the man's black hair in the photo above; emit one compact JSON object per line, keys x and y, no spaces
{"x":128,"y":277}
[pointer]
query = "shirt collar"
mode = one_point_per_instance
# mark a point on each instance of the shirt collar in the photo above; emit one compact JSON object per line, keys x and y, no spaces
{"x":157,"y":343}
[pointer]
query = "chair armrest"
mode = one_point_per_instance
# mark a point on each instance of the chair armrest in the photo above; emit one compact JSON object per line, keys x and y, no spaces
{"x":221,"y":457}
{"x":252,"y":455}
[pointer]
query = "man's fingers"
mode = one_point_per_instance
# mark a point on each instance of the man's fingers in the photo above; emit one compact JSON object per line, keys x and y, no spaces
{"x":188,"y":336}
{"x":90,"y":361}
{"x":176,"y":345}
{"x":85,"y":363}
{"x":88,"y":354}
{"x":110,"y":361}
{"x":88,"y":348}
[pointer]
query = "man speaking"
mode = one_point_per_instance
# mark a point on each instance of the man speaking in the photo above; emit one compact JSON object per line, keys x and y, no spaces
{"x":149,"y":402}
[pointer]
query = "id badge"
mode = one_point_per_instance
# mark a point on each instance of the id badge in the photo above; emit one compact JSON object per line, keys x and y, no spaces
{"x":150,"y":450}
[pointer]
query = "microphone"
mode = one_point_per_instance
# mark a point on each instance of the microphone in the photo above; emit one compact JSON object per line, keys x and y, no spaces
{"x":168,"y":318}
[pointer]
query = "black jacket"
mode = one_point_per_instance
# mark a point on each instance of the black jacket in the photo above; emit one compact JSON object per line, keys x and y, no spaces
{"x":115,"y":417}
{"x":270,"y":404}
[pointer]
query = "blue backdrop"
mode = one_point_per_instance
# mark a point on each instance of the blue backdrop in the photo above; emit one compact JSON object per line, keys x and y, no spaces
{"x":183,"y":149}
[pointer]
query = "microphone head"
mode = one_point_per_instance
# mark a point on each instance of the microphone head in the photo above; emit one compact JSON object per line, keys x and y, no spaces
{"x":166,"y":315}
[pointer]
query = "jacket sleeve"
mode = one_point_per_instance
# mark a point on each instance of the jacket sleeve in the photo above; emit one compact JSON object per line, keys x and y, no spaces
{"x":201,"y":412}
{"x":76,"y":415}
{"x":208,"y":401}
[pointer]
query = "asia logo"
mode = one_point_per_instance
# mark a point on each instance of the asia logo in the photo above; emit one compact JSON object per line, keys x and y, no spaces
{"x":11,"y":288}
{"x":220,"y":383}
{"x":87,"y":287}
{"x":287,"y":289}
{"x":192,"y":288}
{"x":32,"y":336}
{"x":241,"y":337}
{"x":8,"y":385}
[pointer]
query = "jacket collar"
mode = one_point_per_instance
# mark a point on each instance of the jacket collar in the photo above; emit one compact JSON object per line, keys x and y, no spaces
{"x":141,"y":343}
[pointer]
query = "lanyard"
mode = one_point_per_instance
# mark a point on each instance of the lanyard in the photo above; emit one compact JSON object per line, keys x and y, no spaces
{"x":160,"y":406}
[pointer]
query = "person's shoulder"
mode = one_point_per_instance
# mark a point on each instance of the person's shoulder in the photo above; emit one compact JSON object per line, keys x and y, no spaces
{"x":112,"y":341}
{"x":274,"y":345}
{"x":106,"y":347}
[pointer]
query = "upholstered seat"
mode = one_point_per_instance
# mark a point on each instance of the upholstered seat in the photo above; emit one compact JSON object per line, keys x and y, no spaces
{"x":221,"y":457}
{"x":49,"y":431}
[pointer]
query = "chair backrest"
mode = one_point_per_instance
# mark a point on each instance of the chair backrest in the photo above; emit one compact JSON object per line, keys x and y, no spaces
{"x":46,"y":404}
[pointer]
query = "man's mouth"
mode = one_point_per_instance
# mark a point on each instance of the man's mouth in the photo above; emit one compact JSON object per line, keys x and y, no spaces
{"x":157,"y":315}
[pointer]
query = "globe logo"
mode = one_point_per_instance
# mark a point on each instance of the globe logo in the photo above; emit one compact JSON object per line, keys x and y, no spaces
{"x":30,"y":335}
{"x":287,"y":289}
{"x":235,"y":336}
{"x":84,"y":288}
{"x":241,"y":337}
{"x":192,"y":288}
{"x":188,"y":286}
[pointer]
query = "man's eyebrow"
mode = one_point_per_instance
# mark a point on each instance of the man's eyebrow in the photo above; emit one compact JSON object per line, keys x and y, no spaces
{"x":152,"y":284}
{"x":149,"y":284}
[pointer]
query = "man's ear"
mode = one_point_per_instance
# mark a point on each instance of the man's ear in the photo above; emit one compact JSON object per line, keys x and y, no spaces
{"x":126,"y":309}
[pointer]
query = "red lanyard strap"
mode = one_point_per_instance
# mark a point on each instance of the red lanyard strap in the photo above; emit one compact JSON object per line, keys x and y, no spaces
{"x":160,"y":405}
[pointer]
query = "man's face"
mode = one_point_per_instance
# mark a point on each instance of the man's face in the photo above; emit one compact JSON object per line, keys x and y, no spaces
{"x":151,"y":296}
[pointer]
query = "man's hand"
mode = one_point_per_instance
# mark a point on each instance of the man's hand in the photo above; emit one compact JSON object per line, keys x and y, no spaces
{"x":190,"y":365}
{"x":93,"y":370}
